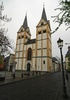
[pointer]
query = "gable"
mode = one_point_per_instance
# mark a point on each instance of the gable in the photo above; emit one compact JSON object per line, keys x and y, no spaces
{"x":42,"y":22}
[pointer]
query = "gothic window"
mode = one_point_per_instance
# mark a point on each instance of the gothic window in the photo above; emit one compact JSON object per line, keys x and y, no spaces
{"x":29,"y":54}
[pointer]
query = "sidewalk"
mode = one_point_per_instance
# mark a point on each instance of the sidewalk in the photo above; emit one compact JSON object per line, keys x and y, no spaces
{"x":18,"y":77}
{"x":10,"y":79}
{"x":60,"y":95}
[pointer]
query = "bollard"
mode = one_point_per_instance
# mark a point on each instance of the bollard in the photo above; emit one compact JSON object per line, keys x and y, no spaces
{"x":13,"y":76}
{"x":22,"y":75}
{"x":33,"y":73}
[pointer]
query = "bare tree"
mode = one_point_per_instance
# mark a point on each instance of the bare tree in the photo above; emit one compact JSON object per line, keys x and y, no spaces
{"x":5,"y":42}
{"x":64,"y":15}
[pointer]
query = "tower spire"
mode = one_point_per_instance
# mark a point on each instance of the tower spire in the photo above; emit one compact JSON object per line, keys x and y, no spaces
{"x":25,"y":24}
{"x":44,"y":14}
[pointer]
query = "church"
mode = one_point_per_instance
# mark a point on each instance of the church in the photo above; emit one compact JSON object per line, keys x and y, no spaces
{"x":34,"y":54}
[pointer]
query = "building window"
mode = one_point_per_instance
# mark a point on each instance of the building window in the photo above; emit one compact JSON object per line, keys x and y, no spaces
{"x":19,"y":37}
{"x":44,"y":31}
{"x":42,"y":23}
{"x":39,"y":32}
{"x":44,"y":62}
{"x":29,"y":54}
{"x":22,"y":36}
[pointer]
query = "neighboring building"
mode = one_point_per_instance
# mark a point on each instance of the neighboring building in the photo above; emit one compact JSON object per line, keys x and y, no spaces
{"x":34,"y":54}
{"x":9,"y":62}
{"x":56,"y":64}
{"x":67,"y":58}
{"x":6,"y":62}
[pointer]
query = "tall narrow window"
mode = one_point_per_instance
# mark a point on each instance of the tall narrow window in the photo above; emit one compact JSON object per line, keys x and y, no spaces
{"x":44,"y":62}
{"x":29,"y":54}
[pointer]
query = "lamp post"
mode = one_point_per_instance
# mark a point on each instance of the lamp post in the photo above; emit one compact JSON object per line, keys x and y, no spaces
{"x":60,"y":45}
{"x":0,"y":49}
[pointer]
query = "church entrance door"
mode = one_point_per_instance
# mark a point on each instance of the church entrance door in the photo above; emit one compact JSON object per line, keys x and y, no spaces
{"x":28,"y":67}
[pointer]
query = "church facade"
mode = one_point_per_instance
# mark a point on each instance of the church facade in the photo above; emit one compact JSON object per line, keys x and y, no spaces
{"x":34,"y":54}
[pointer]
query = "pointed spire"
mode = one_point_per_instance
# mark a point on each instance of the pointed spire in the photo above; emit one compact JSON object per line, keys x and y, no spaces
{"x":44,"y":14}
{"x":25,"y":24}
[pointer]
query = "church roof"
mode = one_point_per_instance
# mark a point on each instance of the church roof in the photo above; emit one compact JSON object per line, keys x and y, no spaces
{"x":68,"y":53}
{"x":25,"y":24}
{"x":30,"y":41}
{"x":44,"y":15}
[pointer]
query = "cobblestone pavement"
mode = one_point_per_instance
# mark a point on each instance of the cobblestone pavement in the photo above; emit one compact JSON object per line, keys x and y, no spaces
{"x":43,"y":87}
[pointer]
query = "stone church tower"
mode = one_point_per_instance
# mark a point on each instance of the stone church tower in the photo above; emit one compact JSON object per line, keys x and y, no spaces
{"x":34,"y":54}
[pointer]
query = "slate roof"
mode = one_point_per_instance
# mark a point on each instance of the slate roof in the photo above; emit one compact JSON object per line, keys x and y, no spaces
{"x":30,"y":41}
{"x":25,"y":24}
{"x":54,"y":59}
{"x":44,"y":15}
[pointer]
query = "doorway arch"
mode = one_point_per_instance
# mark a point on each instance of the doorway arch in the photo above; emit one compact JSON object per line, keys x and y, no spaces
{"x":28,"y":66}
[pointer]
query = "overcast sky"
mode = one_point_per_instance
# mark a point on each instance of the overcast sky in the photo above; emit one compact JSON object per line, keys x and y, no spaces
{"x":17,"y":10}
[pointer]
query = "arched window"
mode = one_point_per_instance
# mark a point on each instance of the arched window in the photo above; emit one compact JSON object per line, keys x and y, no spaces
{"x":29,"y":54}
{"x":44,"y":31}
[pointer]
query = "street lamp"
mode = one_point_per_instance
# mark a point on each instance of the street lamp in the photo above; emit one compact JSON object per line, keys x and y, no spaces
{"x":0,"y":49}
{"x":60,"y":45}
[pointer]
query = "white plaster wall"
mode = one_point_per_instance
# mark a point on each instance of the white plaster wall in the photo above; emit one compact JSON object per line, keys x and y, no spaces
{"x":22,"y":40}
{"x":33,"y":63}
{"x":39,"y":36}
{"x":34,"y":53}
{"x":24,"y":66}
{"x":44,"y":52}
{"x":24,"y":53}
{"x":17,"y":49}
{"x":44,"y":43}
{"x":29,"y":46}
{"x":44,"y":66}
{"x":34,"y":46}
{"x":20,"y":54}
{"x":24,"y":47}
{"x":39,"y":64}
{"x":25,"y":40}
{"x":38,"y":52}
{"x":22,"y":33}
{"x":19,"y":64}
{"x":17,"y":54}
{"x":44,"y":36}
{"x":39,"y":44}
{"x":21,"y":47}
{"x":39,"y":29}
{"x":18,"y":41}
{"x":44,"y":27}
